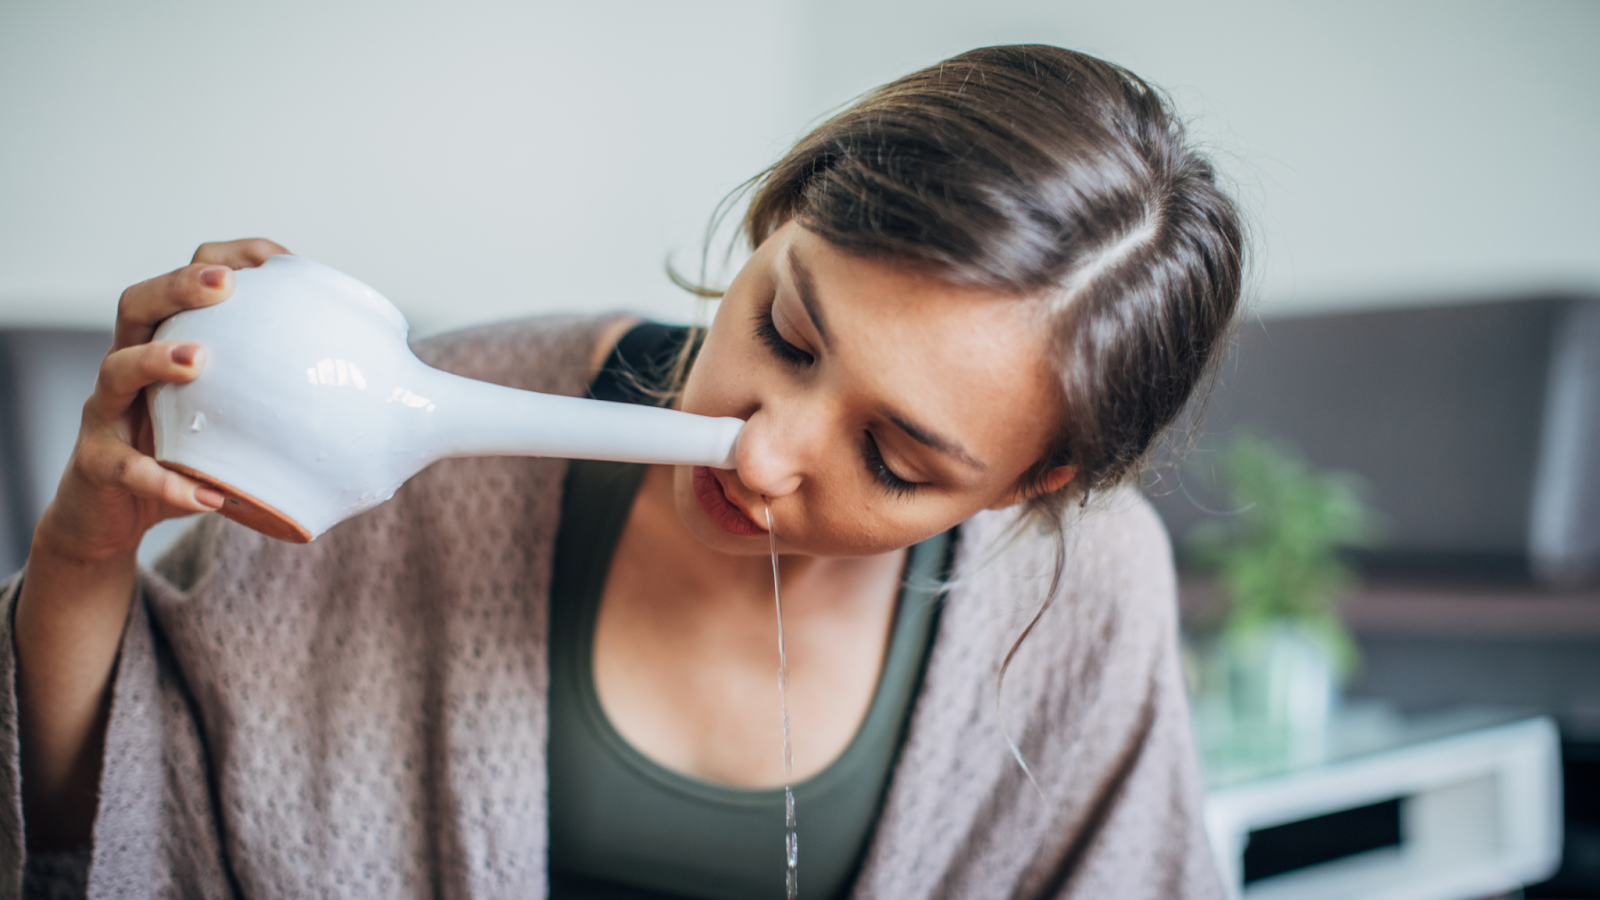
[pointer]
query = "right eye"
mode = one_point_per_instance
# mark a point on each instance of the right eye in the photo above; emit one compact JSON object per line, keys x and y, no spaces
{"x":767,"y":333}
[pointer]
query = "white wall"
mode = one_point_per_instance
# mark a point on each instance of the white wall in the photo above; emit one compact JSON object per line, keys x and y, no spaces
{"x":1387,"y":152}
{"x":477,"y":161}
{"x":474,"y":161}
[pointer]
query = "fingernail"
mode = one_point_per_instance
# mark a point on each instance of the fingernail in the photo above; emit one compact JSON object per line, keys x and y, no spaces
{"x":184,"y":354}
{"x":208,"y":497}
{"x":213,"y":276}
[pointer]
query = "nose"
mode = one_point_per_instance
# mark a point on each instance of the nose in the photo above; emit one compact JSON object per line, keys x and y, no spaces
{"x":773,"y":452}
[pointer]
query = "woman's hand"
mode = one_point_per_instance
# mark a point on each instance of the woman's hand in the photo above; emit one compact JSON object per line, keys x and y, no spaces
{"x":113,"y":490}
{"x":81,"y":569}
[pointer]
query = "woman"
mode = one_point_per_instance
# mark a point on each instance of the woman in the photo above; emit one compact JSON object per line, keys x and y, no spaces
{"x":975,"y":300}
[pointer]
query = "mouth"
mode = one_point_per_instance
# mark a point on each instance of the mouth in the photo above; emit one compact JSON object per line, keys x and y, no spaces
{"x":719,"y":507}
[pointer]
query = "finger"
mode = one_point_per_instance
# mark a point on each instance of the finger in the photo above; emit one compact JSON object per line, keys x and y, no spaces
{"x":125,"y":372}
{"x":148,"y":303}
{"x":115,"y":464}
{"x":240,"y":254}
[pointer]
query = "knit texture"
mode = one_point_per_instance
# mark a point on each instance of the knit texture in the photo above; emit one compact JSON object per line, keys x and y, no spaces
{"x":364,"y":716}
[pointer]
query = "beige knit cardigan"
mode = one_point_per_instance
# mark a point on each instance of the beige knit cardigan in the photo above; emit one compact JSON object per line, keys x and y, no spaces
{"x":364,"y":716}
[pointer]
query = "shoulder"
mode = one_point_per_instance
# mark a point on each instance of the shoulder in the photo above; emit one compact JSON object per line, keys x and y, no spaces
{"x":1117,"y":545}
{"x":1114,"y":551}
{"x":552,"y":354}
{"x":1111,"y":619}
{"x":1091,"y":698}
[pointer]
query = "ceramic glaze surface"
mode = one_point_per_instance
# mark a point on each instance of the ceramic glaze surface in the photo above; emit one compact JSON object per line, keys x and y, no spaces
{"x":312,"y":403}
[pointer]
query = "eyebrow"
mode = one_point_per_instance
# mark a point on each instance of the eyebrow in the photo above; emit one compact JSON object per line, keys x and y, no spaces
{"x":807,"y":289}
{"x":942,"y":444}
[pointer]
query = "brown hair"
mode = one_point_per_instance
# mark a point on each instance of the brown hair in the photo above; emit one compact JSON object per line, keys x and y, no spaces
{"x":1037,"y":170}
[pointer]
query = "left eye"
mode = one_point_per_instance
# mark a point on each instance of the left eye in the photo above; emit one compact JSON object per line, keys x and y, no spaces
{"x":767,"y":332}
{"x":881,"y":472}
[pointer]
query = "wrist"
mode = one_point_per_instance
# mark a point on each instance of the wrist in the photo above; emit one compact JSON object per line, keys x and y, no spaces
{"x":56,"y":541}
{"x":55,"y":550}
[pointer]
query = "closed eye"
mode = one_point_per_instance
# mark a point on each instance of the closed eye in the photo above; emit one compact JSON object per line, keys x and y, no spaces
{"x":881,"y":473}
{"x":767,"y":332}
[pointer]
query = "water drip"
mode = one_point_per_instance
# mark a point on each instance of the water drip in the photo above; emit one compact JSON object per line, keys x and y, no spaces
{"x":791,"y":841}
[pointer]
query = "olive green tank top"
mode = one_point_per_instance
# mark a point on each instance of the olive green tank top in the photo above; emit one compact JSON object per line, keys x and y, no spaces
{"x":623,"y":826}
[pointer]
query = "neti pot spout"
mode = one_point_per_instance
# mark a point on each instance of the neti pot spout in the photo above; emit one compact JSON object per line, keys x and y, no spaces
{"x":312,"y":407}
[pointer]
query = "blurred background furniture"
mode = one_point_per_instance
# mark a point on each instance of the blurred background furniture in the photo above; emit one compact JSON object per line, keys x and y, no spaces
{"x":1476,"y":429}
{"x":1457,"y":804}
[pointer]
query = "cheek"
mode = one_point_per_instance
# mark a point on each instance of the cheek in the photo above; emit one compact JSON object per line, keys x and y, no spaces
{"x":868,"y":524}
{"x":841,"y":512}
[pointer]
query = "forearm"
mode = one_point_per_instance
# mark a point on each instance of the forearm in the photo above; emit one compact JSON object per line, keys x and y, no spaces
{"x":82,"y":567}
{"x":68,"y":628}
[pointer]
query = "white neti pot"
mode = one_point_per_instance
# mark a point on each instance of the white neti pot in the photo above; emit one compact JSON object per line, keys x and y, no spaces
{"x":312,"y":407}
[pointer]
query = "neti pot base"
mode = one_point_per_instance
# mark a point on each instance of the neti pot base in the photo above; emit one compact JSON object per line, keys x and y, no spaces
{"x":247,"y":510}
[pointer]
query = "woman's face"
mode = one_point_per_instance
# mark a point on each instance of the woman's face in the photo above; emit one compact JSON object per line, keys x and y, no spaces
{"x":883,"y":406}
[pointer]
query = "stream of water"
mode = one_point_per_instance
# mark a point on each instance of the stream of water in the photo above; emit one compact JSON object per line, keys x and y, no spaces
{"x":791,"y":846}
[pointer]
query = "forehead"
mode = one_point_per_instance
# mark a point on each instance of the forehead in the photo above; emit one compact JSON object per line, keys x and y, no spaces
{"x":962,"y":360}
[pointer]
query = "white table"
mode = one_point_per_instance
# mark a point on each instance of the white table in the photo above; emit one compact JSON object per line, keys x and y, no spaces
{"x":1479,"y":799}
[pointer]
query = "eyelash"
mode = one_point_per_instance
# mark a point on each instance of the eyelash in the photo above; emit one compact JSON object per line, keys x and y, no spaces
{"x":767,"y":332}
{"x":881,"y":473}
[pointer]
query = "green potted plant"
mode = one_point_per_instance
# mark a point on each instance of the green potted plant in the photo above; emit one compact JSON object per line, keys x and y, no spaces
{"x":1271,"y":678}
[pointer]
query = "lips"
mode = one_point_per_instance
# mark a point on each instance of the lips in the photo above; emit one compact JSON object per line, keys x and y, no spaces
{"x":713,"y":497}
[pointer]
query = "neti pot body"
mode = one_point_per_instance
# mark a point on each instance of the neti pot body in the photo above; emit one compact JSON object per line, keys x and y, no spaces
{"x":312,"y":407}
